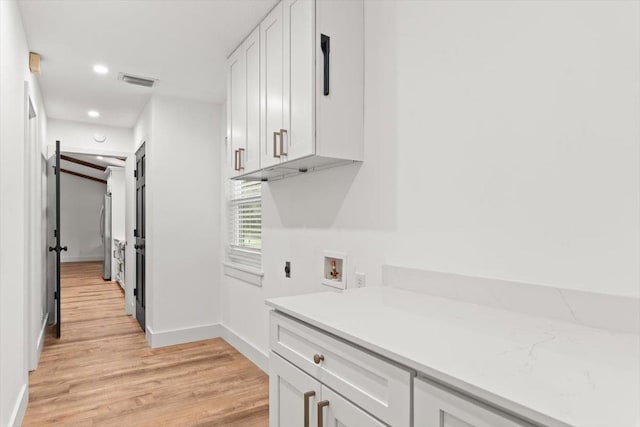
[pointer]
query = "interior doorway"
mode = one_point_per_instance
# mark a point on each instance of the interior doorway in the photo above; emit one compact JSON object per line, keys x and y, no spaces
{"x":88,"y":214}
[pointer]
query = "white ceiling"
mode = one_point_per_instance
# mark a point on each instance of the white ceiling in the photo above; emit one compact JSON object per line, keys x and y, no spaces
{"x":105,"y":161}
{"x":183,"y":43}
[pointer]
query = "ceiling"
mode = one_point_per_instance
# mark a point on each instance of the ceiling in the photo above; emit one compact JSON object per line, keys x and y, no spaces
{"x":103,"y":161}
{"x":182,"y":43}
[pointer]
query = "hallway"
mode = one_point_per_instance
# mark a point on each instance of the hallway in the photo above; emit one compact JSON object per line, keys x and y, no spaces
{"x":103,"y":372}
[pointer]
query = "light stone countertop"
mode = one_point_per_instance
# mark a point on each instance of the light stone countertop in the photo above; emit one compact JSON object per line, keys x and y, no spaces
{"x":549,"y":371}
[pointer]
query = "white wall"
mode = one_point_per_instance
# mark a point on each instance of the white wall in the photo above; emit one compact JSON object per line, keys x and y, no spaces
{"x":117,"y":187}
{"x":501,"y":140}
{"x":15,"y":155}
{"x":80,"y":202}
{"x":78,"y":137}
{"x":183,"y":216}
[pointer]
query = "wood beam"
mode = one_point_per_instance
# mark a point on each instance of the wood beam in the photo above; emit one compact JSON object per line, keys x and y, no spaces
{"x":82,"y":162}
{"x":81,"y":175}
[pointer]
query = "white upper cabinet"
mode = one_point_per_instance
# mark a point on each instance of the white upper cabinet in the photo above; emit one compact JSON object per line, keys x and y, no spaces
{"x":236,"y":109}
{"x":299,"y":130}
{"x":251,"y":49}
{"x":243,"y":106}
{"x":272,"y":78}
{"x":311,"y":86}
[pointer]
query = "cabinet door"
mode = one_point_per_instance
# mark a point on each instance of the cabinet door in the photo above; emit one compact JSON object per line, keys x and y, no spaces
{"x":435,"y":406}
{"x":272,"y":99}
{"x":299,"y":135}
{"x":293,"y":395}
{"x":236,"y":110}
{"x":339,"y":412}
{"x":250,"y":158}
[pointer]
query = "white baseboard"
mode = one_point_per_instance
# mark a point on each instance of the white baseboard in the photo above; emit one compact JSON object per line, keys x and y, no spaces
{"x":40,"y":343}
{"x":248,"y":350}
{"x":217,"y":330}
{"x":80,"y":258}
{"x":20,"y":408}
{"x":180,"y":336}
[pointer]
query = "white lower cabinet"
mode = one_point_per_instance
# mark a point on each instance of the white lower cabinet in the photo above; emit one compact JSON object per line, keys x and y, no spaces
{"x":336,"y":411}
{"x":436,"y":406}
{"x":299,"y":400}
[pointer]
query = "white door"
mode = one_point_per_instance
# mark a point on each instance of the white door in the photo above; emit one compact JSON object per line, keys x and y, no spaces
{"x":250,"y":158}
{"x":272,"y":99}
{"x":299,"y":135}
{"x":236,"y":110}
{"x":339,"y":412}
{"x":293,"y":395}
{"x":437,"y":407}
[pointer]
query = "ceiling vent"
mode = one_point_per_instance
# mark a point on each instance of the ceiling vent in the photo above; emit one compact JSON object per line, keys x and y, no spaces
{"x":137,"y":80}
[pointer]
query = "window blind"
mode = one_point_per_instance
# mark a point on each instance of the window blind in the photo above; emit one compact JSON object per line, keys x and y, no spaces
{"x":245,"y":223}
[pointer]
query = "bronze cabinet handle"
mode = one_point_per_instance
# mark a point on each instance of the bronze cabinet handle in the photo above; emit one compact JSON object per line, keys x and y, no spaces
{"x":275,"y":145}
{"x":317,"y":358}
{"x":307,"y":396}
{"x":240,"y":153}
{"x":321,"y":405}
{"x":282,"y":132}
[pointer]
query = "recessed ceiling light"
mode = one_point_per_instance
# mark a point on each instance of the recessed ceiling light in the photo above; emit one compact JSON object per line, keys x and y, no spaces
{"x":100,"y":69}
{"x":100,"y":158}
{"x":93,"y":114}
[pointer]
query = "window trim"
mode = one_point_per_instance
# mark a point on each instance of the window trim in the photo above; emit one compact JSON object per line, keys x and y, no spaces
{"x":243,"y":272}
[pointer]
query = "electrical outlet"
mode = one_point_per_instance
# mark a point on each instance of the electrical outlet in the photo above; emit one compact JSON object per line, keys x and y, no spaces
{"x":287,"y":269}
{"x":361,"y":280}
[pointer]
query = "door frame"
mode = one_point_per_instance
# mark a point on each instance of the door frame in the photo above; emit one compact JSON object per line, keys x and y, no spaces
{"x":129,"y":215}
{"x":35,"y":253}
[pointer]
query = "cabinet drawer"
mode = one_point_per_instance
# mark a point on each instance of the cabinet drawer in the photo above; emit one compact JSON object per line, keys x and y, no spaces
{"x":379,"y":387}
{"x":436,"y":406}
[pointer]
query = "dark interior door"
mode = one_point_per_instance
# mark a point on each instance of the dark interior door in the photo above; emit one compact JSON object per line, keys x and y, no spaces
{"x":140,"y":234}
{"x":53,"y":219}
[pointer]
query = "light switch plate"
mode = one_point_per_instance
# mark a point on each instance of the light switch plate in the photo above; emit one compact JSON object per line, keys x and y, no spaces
{"x":361,"y":280}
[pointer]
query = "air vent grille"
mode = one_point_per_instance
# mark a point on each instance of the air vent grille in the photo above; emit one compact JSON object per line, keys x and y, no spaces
{"x":137,"y":80}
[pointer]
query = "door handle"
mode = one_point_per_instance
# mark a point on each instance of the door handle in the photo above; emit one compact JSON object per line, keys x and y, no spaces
{"x":235,"y":160}
{"x":307,"y":396}
{"x":275,"y":145}
{"x":240,"y":153}
{"x":282,"y":132}
{"x":325,"y":46}
{"x":138,"y":246}
{"x":57,"y":249}
{"x":321,"y":405}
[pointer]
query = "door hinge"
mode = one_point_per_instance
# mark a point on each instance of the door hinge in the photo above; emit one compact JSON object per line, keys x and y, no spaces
{"x":135,"y":232}
{"x":135,"y":292}
{"x":135,"y":173}
{"x":55,"y":233}
{"x":55,"y":295}
{"x":55,"y":170}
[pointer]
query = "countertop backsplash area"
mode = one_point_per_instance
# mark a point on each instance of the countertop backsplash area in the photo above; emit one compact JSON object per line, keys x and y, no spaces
{"x":602,"y":311}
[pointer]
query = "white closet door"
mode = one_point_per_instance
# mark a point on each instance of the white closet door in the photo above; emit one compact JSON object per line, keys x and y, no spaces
{"x":251,"y":52}
{"x":287,"y":388}
{"x":340,"y":412}
{"x":272,"y":108}
{"x":236,"y":107}
{"x":299,"y":138}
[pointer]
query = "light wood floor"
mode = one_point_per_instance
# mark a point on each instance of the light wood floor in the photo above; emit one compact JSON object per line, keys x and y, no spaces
{"x":103,"y":372}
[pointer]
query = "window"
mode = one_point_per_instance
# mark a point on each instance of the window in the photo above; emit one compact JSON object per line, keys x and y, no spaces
{"x":245,"y":223}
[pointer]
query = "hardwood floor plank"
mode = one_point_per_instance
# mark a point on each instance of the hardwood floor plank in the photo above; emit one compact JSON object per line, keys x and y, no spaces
{"x":103,"y":372}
